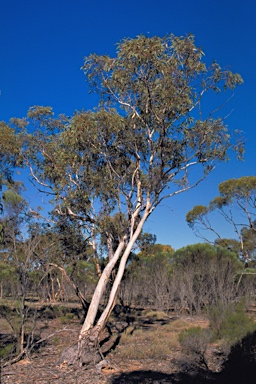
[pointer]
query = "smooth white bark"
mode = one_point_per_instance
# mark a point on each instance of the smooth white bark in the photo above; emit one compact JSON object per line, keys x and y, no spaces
{"x":111,"y":301}
{"x":98,"y":293}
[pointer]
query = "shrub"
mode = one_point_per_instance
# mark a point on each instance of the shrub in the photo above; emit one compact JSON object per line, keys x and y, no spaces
{"x":194,"y":341}
{"x":67,"y":318}
{"x":177,"y":325}
{"x":230,"y":322}
{"x":156,"y":315}
{"x":7,"y":350}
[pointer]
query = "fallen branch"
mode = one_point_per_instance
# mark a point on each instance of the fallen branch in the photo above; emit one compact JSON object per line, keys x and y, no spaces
{"x":25,"y":351}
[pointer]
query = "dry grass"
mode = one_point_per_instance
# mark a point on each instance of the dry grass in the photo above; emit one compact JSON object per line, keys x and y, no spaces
{"x":4,"y":326}
{"x":156,"y":342}
{"x":177,"y":325}
{"x":155,"y":315}
{"x":147,"y":344}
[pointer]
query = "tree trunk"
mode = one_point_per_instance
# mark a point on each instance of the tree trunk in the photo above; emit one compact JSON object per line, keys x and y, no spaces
{"x":79,"y":294}
{"x":88,"y":345}
{"x":99,"y":290}
{"x":85,"y":352}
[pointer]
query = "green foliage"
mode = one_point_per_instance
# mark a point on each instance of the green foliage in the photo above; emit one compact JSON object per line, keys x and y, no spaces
{"x":149,"y":274}
{"x":236,"y":204}
{"x":56,"y":340}
{"x":84,"y":272}
{"x":10,"y":157}
{"x":67,"y":318}
{"x":13,"y":203}
{"x":143,"y":137}
{"x":206,"y":274}
{"x":241,"y":191}
{"x":197,"y":211}
{"x":155,"y":250}
{"x":7,"y":350}
{"x":106,"y":170}
{"x":152,"y":263}
{"x":145,"y":241}
{"x":230,"y":322}
{"x":11,"y":198}
{"x":156,"y":315}
{"x":244,"y":187}
{"x":230,"y":244}
{"x":202,"y":254}
{"x":249,"y":239}
{"x":192,"y":337}
{"x":10,"y":154}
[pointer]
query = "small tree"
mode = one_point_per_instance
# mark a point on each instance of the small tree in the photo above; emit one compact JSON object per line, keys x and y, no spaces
{"x":10,"y":156}
{"x":236,"y":204}
{"x":137,"y":149}
{"x":148,"y":276}
{"x":19,"y":255}
{"x":205,"y":275}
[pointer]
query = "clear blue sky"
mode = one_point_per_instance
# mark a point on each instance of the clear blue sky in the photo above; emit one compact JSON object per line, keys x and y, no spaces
{"x":43,"y":44}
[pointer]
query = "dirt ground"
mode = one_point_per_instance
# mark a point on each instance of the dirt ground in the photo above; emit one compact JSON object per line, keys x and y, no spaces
{"x":43,"y":366}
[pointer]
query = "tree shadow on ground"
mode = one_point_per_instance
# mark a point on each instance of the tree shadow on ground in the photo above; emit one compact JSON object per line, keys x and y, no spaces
{"x":124,"y":317}
{"x":154,"y":377}
{"x":239,"y":368}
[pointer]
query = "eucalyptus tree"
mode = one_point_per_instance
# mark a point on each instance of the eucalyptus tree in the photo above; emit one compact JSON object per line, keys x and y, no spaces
{"x":147,"y":141}
{"x":73,"y":258}
{"x":248,"y":234}
{"x":18,"y":257}
{"x":10,"y":145}
{"x":10,"y":157}
{"x":236,"y":203}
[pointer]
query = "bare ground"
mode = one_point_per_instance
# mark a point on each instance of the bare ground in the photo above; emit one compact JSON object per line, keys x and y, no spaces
{"x":43,"y":366}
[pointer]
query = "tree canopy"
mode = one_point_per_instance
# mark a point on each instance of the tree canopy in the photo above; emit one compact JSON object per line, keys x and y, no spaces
{"x":147,"y":134}
{"x":149,"y":138}
{"x":236,"y":203}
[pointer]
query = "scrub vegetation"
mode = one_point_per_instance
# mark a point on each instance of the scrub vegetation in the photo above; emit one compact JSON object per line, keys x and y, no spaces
{"x":85,"y":281}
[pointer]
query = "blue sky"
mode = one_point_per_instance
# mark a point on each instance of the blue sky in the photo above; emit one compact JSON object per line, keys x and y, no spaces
{"x":43,"y":44}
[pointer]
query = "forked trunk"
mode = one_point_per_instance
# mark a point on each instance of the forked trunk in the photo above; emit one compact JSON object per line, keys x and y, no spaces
{"x":87,"y":350}
{"x":99,"y":290}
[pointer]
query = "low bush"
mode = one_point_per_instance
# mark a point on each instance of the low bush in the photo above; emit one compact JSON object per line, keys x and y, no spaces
{"x":156,"y":315}
{"x":177,"y":325}
{"x":194,"y":341}
{"x":230,"y":323}
{"x":7,"y":350}
{"x":67,"y":318}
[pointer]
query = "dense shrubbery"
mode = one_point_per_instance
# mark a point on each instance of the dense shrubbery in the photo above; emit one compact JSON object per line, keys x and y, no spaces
{"x":230,"y":322}
{"x":196,"y":279}
{"x":228,"y":326}
{"x":188,"y":280}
